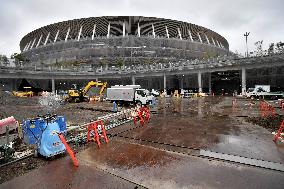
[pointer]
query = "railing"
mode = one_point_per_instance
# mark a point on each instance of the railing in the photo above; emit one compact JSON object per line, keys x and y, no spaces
{"x":149,"y":68}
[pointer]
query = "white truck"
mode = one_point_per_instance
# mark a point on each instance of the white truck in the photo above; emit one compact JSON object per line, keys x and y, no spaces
{"x":129,"y":94}
{"x":263,"y":91}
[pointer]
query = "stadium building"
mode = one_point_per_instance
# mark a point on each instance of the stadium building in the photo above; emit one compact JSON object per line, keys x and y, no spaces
{"x":121,"y":39}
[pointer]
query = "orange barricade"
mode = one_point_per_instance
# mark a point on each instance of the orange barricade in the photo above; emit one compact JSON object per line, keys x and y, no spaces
{"x":277,"y":135}
{"x":93,"y":127}
{"x":234,"y":103}
{"x":143,"y":114}
{"x":69,"y":150}
{"x":266,"y":109}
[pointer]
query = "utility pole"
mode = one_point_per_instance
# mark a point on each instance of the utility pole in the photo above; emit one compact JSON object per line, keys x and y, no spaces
{"x":246,"y":35}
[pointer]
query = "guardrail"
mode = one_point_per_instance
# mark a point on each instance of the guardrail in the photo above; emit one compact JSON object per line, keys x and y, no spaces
{"x":159,"y":67}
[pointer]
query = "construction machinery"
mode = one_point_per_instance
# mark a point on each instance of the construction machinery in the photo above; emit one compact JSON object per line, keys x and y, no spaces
{"x":75,"y":95}
{"x":43,"y":132}
{"x":26,"y":93}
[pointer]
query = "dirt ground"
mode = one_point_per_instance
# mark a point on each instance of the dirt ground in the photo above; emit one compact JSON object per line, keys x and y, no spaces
{"x":210,"y":123}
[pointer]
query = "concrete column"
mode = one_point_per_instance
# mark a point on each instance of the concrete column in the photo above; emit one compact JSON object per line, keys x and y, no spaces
{"x":153,"y":31}
{"x":209,"y":84}
{"x":108,"y":30}
{"x":97,"y":79}
{"x":167,"y":32}
{"x":181,"y":81}
{"x":38,"y":43}
{"x":79,"y":34}
{"x":94,"y":32}
{"x":244,"y":87}
{"x":67,"y":34}
{"x":199,"y":82}
{"x":138,"y":30}
{"x":133,"y":80}
{"x":56,"y":36}
{"x":53,"y":85}
{"x":179,"y":34}
{"x":46,"y":39}
{"x":165,"y":82}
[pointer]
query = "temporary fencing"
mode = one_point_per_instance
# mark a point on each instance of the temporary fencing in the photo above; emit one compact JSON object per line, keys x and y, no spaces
{"x":266,"y":109}
{"x":278,"y":134}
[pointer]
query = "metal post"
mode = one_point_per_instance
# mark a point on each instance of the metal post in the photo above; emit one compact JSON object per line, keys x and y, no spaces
{"x":133,"y":80}
{"x":246,"y":35}
{"x":199,"y":82}
{"x":243,"y":81}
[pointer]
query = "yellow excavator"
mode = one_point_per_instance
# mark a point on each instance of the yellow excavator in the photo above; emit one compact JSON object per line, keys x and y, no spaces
{"x":75,"y":95}
{"x":26,"y":93}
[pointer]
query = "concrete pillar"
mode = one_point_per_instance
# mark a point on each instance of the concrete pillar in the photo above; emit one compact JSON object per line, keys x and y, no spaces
{"x":190,"y":36}
{"x":167,"y":32}
{"x":38,"y":43}
{"x":200,"y":40}
{"x":133,"y":80}
{"x":165,"y":82}
{"x":79,"y":34}
{"x":67,"y":34}
{"x":209,"y":84}
{"x":108,"y":30}
{"x":181,"y":82}
{"x":56,"y":36}
{"x":153,"y":31}
{"x":244,"y":87}
{"x":179,"y":34}
{"x":46,"y":39}
{"x":199,"y":82}
{"x":123,"y":29}
{"x":138,"y":30}
{"x":53,"y":85}
{"x":94,"y":32}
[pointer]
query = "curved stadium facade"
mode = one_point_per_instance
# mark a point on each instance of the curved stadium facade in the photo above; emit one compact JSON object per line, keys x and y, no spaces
{"x":133,"y":39}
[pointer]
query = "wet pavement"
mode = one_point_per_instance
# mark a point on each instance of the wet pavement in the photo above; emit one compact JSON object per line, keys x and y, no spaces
{"x":202,"y":123}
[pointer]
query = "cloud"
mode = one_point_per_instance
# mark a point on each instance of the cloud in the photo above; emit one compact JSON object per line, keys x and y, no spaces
{"x":231,"y":19}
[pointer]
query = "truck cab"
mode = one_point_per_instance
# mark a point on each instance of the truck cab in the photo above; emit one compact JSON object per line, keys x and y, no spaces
{"x":143,"y":96}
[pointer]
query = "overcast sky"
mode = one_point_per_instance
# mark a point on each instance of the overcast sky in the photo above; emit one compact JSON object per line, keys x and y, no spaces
{"x":262,"y":18}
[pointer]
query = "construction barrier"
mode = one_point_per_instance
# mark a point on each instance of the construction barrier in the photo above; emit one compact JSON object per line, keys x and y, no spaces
{"x":278,"y":134}
{"x":69,"y":150}
{"x":266,"y":109}
{"x":234,"y":103}
{"x":94,"y":128}
{"x":143,"y":114}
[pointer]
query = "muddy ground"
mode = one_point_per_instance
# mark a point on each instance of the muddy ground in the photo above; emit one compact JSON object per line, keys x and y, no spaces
{"x":206,"y":123}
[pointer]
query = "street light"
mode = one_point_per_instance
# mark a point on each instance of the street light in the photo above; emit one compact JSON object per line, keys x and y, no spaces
{"x":246,"y":35}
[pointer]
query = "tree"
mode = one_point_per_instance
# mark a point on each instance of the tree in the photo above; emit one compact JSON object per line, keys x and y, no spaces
{"x":259,"y":51}
{"x":271,"y":48}
{"x":279,"y":47}
{"x":19,"y":58}
{"x":3,"y":59}
{"x":119,"y":62}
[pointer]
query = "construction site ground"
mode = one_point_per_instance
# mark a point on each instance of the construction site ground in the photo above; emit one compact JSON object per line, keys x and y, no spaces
{"x":162,"y":154}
